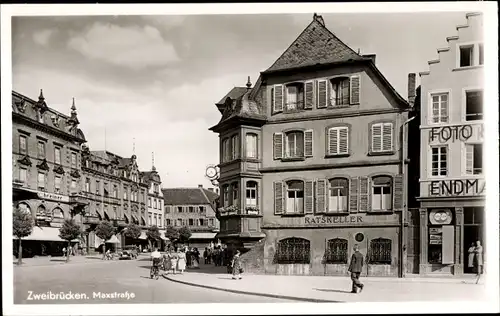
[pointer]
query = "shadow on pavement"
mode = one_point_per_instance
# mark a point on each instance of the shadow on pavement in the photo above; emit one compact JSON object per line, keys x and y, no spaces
{"x":333,"y":290}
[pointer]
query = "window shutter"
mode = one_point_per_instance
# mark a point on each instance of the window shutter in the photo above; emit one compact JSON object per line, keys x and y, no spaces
{"x":278,"y":145}
{"x":309,"y":94}
{"x":353,"y":195}
{"x":376,"y":137}
{"x":278,"y":198}
{"x":308,"y":143}
{"x":345,"y":91}
{"x":278,"y":98}
{"x":387,"y":137}
{"x":321,"y":188}
{"x":322,"y":94}
{"x":469,"y":159}
{"x":397,"y":192}
{"x":363,"y":194}
{"x":354,"y":90}
{"x":343,"y":140}
{"x":332,"y":141}
{"x":309,"y":195}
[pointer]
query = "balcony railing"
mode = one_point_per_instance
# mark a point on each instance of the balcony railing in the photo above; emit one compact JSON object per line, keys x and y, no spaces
{"x":237,"y":210}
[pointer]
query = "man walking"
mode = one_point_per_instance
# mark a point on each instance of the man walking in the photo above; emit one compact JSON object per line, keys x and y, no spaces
{"x":355,"y":267}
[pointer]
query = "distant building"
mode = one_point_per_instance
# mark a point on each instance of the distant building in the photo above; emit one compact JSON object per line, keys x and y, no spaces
{"x":452,"y":182}
{"x":46,"y":165}
{"x":156,"y":210}
{"x":193,"y":208}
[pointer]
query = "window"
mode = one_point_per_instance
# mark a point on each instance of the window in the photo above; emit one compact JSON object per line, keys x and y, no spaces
{"x":225,"y":190}
{"x":87,"y":185}
{"x":160,"y":222}
{"x":73,"y":160}
{"x":338,"y":140}
{"x":339,"y":94}
{"x":235,"y":189}
{"x":466,"y":56}
{"x":235,"y":153}
{"x":149,"y":202}
{"x":473,"y":159}
{"x":439,"y":161}
{"x":294,"y":96}
{"x":115,"y":191}
{"x":167,"y":209}
{"x":191,"y":222}
{"x":381,"y":193}
{"x":23,"y":144}
{"x":150,"y":221}
{"x":439,"y":108}
{"x":41,"y":149}
{"x":251,"y":146}
{"x":41,"y":212}
{"x":201,"y":209}
{"x":201,"y":222}
{"x":115,"y":215}
{"x":23,"y":175}
{"x":211,"y":222}
{"x":380,"y":251}
{"x":336,"y":251}
{"x":295,"y":197}
{"x":251,"y":193}
{"x":481,"y":54}
{"x":41,"y":181}
{"x":125,"y":197}
{"x":24,"y":208}
{"x":381,"y":137}
{"x":226,"y":154}
{"x":293,"y":250}
{"x":473,"y":105}
{"x":155,"y":203}
{"x":294,"y":145}
{"x":179,"y":209}
{"x":338,"y":197}
{"x":57,"y":155}
{"x":191,"y":209}
{"x":168,"y":222}
{"x":58,"y":213}
{"x":97,"y":187}
{"x":57,"y":184}
{"x":156,"y":188}
{"x":73,"y":184}
{"x":179,"y":222}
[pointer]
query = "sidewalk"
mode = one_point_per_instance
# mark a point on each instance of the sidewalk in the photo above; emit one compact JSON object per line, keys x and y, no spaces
{"x":50,"y":261}
{"x":335,"y":289}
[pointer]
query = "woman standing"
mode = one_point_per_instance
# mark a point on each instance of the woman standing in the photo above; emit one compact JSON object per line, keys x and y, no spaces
{"x":478,"y":260}
{"x":471,"y":252}
{"x":173,"y":261}
{"x":236,"y":265}
{"x":181,"y":263}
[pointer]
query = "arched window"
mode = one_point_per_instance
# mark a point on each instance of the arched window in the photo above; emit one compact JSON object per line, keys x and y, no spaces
{"x":251,"y":193}
{"x":338,"y":195}
{"x":251,"y":145}
{"x":380,"y":251}
{"x":235,"y":189}
{"x":295,"y":197}
{"x":336,"y":251}
{"x":294,"y":250}
{"x":381,"y":193}
{"x":58,"y":213}
{"x":41,"y":212}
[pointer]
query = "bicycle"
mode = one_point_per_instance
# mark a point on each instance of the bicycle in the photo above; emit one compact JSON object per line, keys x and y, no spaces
{"x":155,"y":269}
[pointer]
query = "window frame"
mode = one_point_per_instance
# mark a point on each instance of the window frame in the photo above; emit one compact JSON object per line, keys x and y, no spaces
{"x":248,"y":154}
{"x":287,"y":252}
{"x":338,"y":128}
{"x":340,"y":80}
{"x":464,"y":169}
{"x":226,"y":152}
{"x":251,"y":189}
{"x":430,"y":115}
{"x":466,"y":90}
{"x":373,"y":186}
{"x":235,"y":147}
{"x":44,"y":182}
{"x":74,"y":164}
{"x":42,"y":148}
{"x":386,"y":258}
{"x":333,"y":257}
{"x":56,"y":188}
{"x":23,"y":151}
{"x":300,"y":91}
{"x":25,"y":180}
{"x":287,"y":190}
{"x":431,"y":161}
{"x":475,"y":54}
{"x":347,"y":196}
{"x":370,"y":135}
{"x":286,"y":144}
{"x":57,"y":157}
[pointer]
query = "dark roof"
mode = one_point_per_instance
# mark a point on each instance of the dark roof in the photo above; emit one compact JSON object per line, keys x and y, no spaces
{"x":235,"y":93}
{"x":185,"y":196}
{"x":124,"y":162}
{"x":212,"y":196}
{"x":315,"y":45}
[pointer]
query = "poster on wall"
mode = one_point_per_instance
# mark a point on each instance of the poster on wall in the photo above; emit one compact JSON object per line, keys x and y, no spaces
{"x":448,"y":244}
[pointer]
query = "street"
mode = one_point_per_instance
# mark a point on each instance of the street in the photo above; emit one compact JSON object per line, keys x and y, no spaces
{"x":104,"y":278}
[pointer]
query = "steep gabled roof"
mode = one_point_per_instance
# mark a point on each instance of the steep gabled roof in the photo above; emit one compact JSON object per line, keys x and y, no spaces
{"x":186,"y":196}
{"x":235,"y":93}
{"x":315,"y":45}
{"x":212,"y":196}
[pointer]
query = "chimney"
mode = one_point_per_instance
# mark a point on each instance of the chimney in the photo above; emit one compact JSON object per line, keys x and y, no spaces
{"x":411,"y":88}
{"x":200,"y":186}
{"x":371,"y":56}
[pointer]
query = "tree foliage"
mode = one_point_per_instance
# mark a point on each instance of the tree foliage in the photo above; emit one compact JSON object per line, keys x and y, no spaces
{"x":172,"y":233}
{"x":153,"y":234}
{"x":105,"y":230}
{"x":22,"y":223}
{"x":184,"y":234}
{"x":69,"y":231}
{"x":133,"y":231}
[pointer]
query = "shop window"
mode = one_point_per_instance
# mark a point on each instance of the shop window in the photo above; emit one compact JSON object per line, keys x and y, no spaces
{"x":381,"y":193}
{"x":40,"y":211}
{"x":336,"y":251}
{"x":251,"y":193}
{"x":474,"y":159}
{"x":338,"y":195}
{"x":293,"y":250}
{"x":295,"y":197}
{"x":473,"y":105}
{"x":473,"y":215}
{"x":380,"y":251}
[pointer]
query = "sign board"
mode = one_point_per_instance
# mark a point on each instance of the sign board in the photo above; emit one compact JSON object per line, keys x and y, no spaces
{"x":458,"y":187}
{"x":333,"y":220}
{"x":440,"y":217}
{"x":448,"y":246}
{"x":53,"y":196}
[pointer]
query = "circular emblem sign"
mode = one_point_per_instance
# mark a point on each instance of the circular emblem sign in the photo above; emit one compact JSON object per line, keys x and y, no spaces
{"x":440,"y":217}
{"x":359,"y":237}
{"x":211,"y":172}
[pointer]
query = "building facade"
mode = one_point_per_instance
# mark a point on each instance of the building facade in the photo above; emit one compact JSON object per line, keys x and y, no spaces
{"x":156,"y":210}
{"x":193,"y":208}
{"x":46,"y":166}
{"x":311,"y":162}
{"x":452,"y":184}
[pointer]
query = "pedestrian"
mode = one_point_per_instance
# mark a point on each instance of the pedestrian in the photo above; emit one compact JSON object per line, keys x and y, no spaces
{"x":205,"y":256}
{"x":236,"y":266}
{"x":189,"y":258}
{"x":355,"y":267}
{"x":173,"y":261}
{"x":478,"y":251}
{"x":64,"y":251}
{"x":181,"y":263}
{"x":196,"y":258}
{"x":471,"y":252}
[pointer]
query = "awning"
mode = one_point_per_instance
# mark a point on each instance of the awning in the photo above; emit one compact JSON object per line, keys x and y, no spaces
{"x":143,"y":235}
{"x":135,"y":218}
{"x":162,"y":235}
{"x":202,"y":235}
{"x":45,"y":234}
{"x":107,"y":214}
{"x":113,"y":240}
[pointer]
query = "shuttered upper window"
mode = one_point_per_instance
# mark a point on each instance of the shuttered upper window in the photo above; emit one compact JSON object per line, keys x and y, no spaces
{"x":381,"y":137}
{"x":293,"y":144}
{"x":338,"y":141}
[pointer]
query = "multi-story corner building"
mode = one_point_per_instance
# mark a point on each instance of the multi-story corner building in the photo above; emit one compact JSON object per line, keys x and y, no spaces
{"x":46,"y":168}
{"x":311,"y":162}
{"x":452,"y":184}
{"x":194,"y":208}
{"x":116,"y":192}
{"x":156,"y":210}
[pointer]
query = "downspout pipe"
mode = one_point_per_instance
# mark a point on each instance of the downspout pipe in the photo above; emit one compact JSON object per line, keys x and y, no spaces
{"x":405,"y":196}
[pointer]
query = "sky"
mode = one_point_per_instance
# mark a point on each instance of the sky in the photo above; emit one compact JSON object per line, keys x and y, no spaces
{"x":153,"y":81}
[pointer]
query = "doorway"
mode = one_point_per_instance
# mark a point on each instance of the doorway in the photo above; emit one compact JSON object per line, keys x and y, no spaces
{"x":473,"y":231}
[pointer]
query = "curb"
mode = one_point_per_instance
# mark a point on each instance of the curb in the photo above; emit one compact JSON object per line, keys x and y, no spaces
{"x":285,"y":297}
{"x":24,"y":265}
